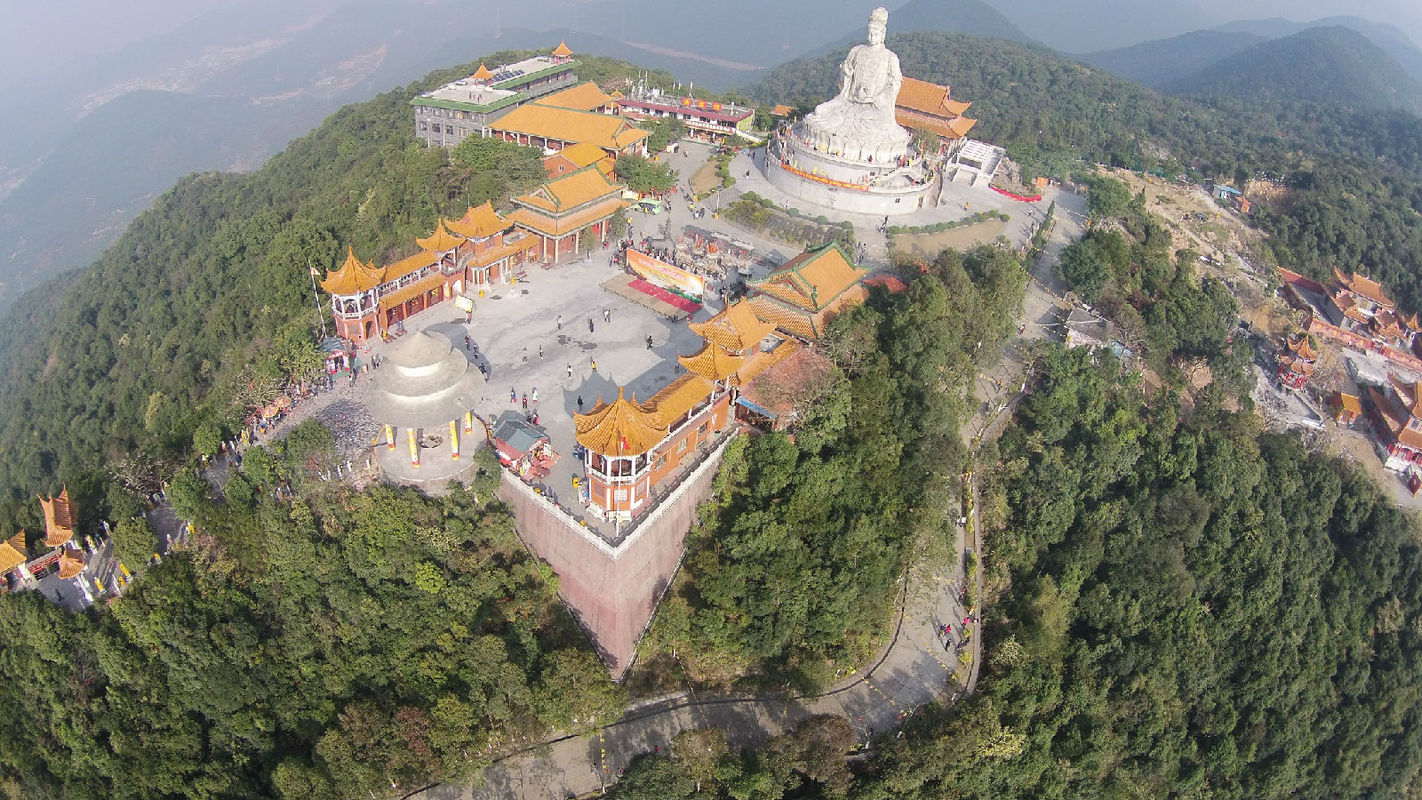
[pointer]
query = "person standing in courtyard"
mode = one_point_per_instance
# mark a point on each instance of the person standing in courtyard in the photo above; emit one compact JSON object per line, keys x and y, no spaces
{"x":560,"y":322}
{"x":513,"y":395}
{"x":570,"y":372}
{"x":591,"y":328}
{"x":580,"y":402}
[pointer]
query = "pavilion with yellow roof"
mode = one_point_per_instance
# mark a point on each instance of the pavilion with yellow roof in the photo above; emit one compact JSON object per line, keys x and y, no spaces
{"x":553,"y":128}
{"x":558,"y":212}
{"x":804,"y":294}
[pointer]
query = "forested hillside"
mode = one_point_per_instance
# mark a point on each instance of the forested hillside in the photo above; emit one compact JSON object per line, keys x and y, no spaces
{"x":341,"y":645}
{"x":1189,"y":608}
{"x":1336,"y":65}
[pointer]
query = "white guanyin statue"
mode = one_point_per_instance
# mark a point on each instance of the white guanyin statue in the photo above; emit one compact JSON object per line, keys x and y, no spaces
{"x":859,"y":122}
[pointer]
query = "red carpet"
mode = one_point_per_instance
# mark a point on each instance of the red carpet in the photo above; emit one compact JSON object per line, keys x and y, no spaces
{"x":665,"y":296}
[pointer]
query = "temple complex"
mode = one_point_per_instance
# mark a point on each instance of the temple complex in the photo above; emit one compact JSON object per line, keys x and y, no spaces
{"x":851,"y":153}
{"x":446,"y":116}
{"x":63,"y":558}
{"x":1357,"y":303}
{"x":428,"y":391}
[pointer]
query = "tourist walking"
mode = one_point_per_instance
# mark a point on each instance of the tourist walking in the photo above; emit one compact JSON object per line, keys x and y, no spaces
{"x":649,"y":342}
{"x":570,"y":372}
{"x":606,"y":315}
{"x":560,"y":322}
{"x":466,"y":341}
{"x":535,"y":394}
{"x":540,"y":352}
{"x":590,"y":325}
{"x":513,"y":395}
{"x":525,"y":402}
{"x":594,"y":365}
{"x":580,"y":402}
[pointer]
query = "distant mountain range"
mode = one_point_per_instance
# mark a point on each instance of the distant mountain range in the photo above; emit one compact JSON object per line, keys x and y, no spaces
{"x":1336,"y":64}
{"x":1089,"y":25}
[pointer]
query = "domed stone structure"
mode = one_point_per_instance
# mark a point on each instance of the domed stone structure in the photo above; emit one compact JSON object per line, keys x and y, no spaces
{"x":428,"y":388}
{"x":851,"y":154}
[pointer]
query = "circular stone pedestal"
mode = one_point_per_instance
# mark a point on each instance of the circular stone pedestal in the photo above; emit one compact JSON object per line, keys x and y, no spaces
{"x":827,"y":181}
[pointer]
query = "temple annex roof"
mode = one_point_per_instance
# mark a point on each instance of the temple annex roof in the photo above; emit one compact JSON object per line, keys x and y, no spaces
{"x":58,"y":519}
{"x":621,"y":428}
{"x":441,"y":241}
{"x":1364,"y":287}
{"x":712,"y":362}
{"x":571,"y":191}
{"x":813,"y":279}
{"x":736,"y":328}
{"x":585,"y":96}
{"x":478,"y":222}
{"x":12,"y":552}
{"x":567,"y":125}
{"x":353,"y":277}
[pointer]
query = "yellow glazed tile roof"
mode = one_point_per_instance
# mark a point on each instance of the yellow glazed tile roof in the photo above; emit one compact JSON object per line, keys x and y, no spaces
{"x":680,"y":396}
{"x":712,"y":362}
{"x":409,"y":264}
{"x":813,"y":279}
{"x":353,"y":277}
{"x":736,"y":328}
{"x":552,"y":225}
{"x":482,"y":73}
{"x":562,"y":50}
{"x":12,"y":552}
{"x":441,"y":241}
{"x":583,"y":97}
{"x":921,"y":95}
{"x":568,"y":192}
{"x":779,"y":315}
{"x":564,"y":124}
{"x":478,"y":222}
{"x":58,"y":519}
{"x":620,"y":428}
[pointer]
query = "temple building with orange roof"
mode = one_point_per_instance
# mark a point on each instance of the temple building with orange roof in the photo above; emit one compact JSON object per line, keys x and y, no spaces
{"x":1297,"y":361}
{"x":1396,"y":413}
{"x":563,"y":212}
{"x":803,"y":295}
{"x":58,"y":519}
{"x":574,"y":158}
{"x":924,"y":106}
{"x":586,"y":96}
{"x":446,"y":116}
{"x":1357,"y":303}
{"x":460,"y":258}
{"x":707,"y":120}
{"x":551,"y":128}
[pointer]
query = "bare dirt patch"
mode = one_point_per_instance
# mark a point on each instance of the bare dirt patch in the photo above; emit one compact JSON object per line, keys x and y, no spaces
{"x":929,"y":245}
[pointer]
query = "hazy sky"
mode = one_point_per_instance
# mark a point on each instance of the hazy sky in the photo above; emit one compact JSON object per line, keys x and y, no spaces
{"x":39,"y":35}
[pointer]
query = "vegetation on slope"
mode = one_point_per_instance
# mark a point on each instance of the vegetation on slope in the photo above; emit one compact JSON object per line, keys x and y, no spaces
{"x":1190,"y":608}
{"x":1335,"y":63}
{"x":796,"y":562}
{"x":337,"y":645}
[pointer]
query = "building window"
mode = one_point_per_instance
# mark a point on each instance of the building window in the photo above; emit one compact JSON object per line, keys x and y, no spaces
{"x":681,"y":446}
{"x":702,"y":430}
{"x":661,"y":463}
{"x":449,"y":129}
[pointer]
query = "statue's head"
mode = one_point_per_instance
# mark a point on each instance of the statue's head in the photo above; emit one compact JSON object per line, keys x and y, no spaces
{"x":878,"y":24}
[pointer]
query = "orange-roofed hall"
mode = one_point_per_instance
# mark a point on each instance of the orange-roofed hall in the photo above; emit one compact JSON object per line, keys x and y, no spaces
{"x":802,"y":296}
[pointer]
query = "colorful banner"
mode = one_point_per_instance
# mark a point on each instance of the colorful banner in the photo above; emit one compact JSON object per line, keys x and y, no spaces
{"x":665,"y":275}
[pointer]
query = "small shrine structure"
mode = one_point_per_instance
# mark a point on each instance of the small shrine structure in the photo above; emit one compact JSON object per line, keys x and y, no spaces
{"x":427,"y":389}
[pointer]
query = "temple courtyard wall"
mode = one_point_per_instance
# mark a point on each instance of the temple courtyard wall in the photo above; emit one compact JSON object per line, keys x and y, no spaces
{"x":613,"y":590}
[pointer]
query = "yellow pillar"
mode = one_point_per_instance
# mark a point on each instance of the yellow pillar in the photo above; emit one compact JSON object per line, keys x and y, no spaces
{"x":469,"y":422}
{"x":454,"y":438}
{"x":390,"y":436}
{"x":414,"y":448}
